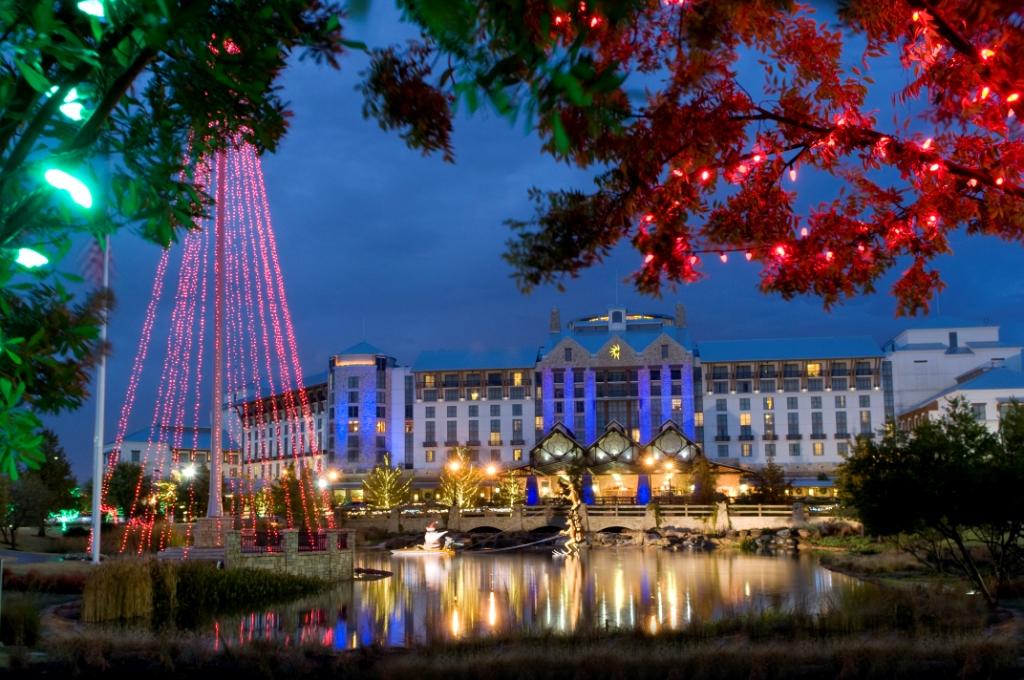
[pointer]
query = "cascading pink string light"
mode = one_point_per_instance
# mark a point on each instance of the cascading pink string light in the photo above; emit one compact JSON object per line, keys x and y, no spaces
{"x":307,"y":417}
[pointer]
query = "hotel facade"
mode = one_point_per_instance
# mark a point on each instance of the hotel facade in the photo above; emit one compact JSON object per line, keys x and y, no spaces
{"x":636,"y":379}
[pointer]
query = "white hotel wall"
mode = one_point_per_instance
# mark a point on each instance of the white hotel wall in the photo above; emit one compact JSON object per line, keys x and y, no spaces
{"x":462,"y":418}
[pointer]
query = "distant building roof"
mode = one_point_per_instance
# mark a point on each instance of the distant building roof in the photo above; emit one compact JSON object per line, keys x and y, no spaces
{"x":781,"y":349}
{"x":183,"y":437}
{"x":361,"y":348}
{"x":995,"y":379}
{"x":456,"y":360}
{"x":637,"y":340}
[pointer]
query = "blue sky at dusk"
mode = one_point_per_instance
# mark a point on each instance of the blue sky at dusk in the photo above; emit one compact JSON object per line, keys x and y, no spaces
{"x":380,"y":243}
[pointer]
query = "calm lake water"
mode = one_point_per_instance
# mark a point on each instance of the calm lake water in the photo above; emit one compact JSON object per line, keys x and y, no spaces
{"x":473,"y":596}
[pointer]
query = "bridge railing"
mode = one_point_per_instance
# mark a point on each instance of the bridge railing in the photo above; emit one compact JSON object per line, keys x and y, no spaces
{"x":616,"y":510}
{"x":737,"y":510}
{"x":686,"y":510}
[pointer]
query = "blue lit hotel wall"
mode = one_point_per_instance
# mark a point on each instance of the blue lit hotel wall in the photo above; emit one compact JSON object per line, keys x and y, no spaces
{"x":368,"y":401}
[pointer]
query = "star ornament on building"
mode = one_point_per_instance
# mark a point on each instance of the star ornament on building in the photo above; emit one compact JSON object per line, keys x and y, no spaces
{"x":615,"y":351}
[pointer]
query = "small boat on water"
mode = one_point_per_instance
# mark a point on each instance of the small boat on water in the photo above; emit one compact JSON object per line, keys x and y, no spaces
{"x":418,"y":551}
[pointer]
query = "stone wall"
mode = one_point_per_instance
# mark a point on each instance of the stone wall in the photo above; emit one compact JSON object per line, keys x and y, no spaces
{"x":334,"y":563}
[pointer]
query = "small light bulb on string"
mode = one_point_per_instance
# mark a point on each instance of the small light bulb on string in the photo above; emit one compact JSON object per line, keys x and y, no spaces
{"x":723,"y":257}
{"x":972,"y":182}
{"x":999,"y":181}
{"x":705,"y":175}
{"x":749,"y":255}
{"x":780,"y":251}
{"x":757,"y":158}
{"x":828,"y":255}
{"x":803,"y":232}
{"x":934,"y":167}
{"x":648,"y":218}
{"x":594,"y":22}
{"x":1013,"y":97}
{"x":984,"y":92}
{"x":694,"y":260}
{"x":648,"y":258}
{"x":677,"y":172}
{"x":792,"y":174}
{"x":926,"y":144}
{"x":987,"y":54}
{"x":916,"y":16}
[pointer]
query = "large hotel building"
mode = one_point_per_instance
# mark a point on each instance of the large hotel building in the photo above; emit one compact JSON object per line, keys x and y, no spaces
{"x":800,"y":402}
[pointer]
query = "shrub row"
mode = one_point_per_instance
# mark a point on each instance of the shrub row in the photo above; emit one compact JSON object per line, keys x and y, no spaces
{"x":38,"y":582}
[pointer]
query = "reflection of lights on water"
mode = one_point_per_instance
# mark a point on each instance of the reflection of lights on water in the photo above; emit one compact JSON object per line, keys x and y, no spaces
{"x":653,"y":625}
{"x":746,"y":588}
{"x":492,"y":610}
{"x":456,"y":624}
{"x":619,"y":594}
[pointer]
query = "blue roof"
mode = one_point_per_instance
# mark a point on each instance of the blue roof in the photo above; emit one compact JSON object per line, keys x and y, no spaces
{"x":456,"y":360}
{"x":782,"y":349}
{"x":361,"y":348}
{"x":996,"y":379}
{"x":638,"y":341}
{"x":187,"y":437}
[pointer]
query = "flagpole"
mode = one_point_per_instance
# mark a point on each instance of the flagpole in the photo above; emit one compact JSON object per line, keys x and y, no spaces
{"x":101,"y":398}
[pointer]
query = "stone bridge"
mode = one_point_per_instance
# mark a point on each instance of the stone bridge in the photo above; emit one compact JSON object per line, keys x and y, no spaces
{"x":597,"y":518}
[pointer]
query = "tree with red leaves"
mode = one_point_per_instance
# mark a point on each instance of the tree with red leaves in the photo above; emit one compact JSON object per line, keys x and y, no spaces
{"x":701,"y":116}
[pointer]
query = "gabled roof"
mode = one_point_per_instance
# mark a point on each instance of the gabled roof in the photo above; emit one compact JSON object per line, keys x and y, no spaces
{"x":361,"y":348}
{"x":464,"y":360}
{"x":1001,"y":378}
{"x":638,"y":341}
{"x":783,"y":349}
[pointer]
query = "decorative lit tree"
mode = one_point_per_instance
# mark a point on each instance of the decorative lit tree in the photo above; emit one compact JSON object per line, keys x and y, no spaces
{"x":104,"y":104}
{"x":285,"y":494}
{"x":742,"y":101}
{"x":385,"y":486}
{"x":459,"y":485}
{"x":510,"y":488}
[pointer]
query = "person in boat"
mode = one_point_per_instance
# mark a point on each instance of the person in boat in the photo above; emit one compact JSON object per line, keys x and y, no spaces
{"x":432,"y":537}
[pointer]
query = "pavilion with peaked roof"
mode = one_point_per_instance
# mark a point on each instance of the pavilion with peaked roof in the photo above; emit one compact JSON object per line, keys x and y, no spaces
{"x":619,"y":469}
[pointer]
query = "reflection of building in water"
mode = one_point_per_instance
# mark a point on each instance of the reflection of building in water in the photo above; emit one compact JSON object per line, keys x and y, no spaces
{"x":467,"y":597}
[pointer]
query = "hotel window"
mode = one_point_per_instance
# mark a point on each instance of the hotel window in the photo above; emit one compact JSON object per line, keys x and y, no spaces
{"x":452,"y":432}
{"x":429,"y":395}
{"x":353,"y":426}
{"x":864,"y":401}
{"x":813,"y":369}
{"x":767,"y":403}
{"x":429,"y":434}
{"x":840,"y":383}
{"x":791,"y":371}
{"x":517,"y":409}
{"x":474,"y":430}
{"x":745,"y":425}
{"x":815,"y":384}
{"x":428,"y":380}
{"x":136,"y":455}
{"x":842,"y":448}
{"x":841,"y":424}
{"x":451,"y":411}
{"x":791,"y":403}
{"x":494,"y":393}
{"x":791,"y":385}
{"x":474,"y":394}
{"x":451,"y":394}
{"x":767,"y":385}
{"x":793,"y":422}
{"x":815,"y":402}
{"x":538,"y":423}
{"x":429,"y":455}
{"x":568,"y":353}
{"x":817,"y":424}
{"x":720,"y":405}
{"x":656,"y":374}
{"x":769,"y":450}
{"x":517,"y":454}
{"x":723,"y":450}
{"x":677,"y":404}
{"x":818,"y":448}
{"x":745,"y":449}
{"x":429,"y":411}
{"x":353,"y":382}
{"x":840,"y":401}
{"x":745,"y":404}
{"x":559,"y":393}
{"x":474,"y":411}
{"x":353,"y":411}
{"x":381,"y":411}
{"x":581,"y":407}
{"x":769,"y":424}
{"x":495,"y":410}
{"x":664,"y":351}
{"x":722,"y":422}
{"x":494,"y":439}
{"x":495,"y":455}
{"x":381,"y":443}
{"x":577,"y":391}
{"x":865,"y":422}
{"x":517,"y":379}
{"x":698,"y":419}
{"x":517,"y":427}
{"x":794,"y":448}
{"x":559,"y":406}
{"x":382,"y":426}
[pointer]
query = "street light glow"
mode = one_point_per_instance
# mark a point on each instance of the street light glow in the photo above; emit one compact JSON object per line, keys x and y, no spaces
{"x":491,"y":470}
{"x":454,"y":465}
{"x":30,"y":259}
{"x":321,"y":483}
{"x":75,"y":187}
{"x":189,"y":472}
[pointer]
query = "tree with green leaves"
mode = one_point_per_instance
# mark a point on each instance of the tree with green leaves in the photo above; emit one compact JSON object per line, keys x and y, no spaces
{"x":293,"y":499}
{"x":704,"y":481}
{"x":55,"y":473}
{"x":386,"y":487}
{"x":770,"y":485}
{"x":27,"y":501}
{"x":128,"y":488}
{"x":104,"y":107}
{"x":459,"y":484}
{"x":945,"y":489}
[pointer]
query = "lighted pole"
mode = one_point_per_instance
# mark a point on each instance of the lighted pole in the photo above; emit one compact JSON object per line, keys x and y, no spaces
{"x":97,"y":441}
{"x":215,"y":508}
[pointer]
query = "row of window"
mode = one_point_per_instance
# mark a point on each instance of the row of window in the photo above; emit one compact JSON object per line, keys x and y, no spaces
{"x":492,"y":379}
{"x":792,"y":424}
{"x":472,"y":410}
{"x":494,"y":434}
{"x":789,"y":385}
{"x":430,"y":455}
{"x":771,"y":450}
{"x":793,"y":403}
{"x":809,"y":369}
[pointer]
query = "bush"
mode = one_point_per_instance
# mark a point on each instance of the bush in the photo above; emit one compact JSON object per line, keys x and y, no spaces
{"x":37,"y":582}
{"x":185,"y":593}
{"x":76,"y":532}
{"x":20,"y":624}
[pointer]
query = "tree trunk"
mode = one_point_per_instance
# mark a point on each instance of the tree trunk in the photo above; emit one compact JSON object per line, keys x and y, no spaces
{"x":972,"y":570}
